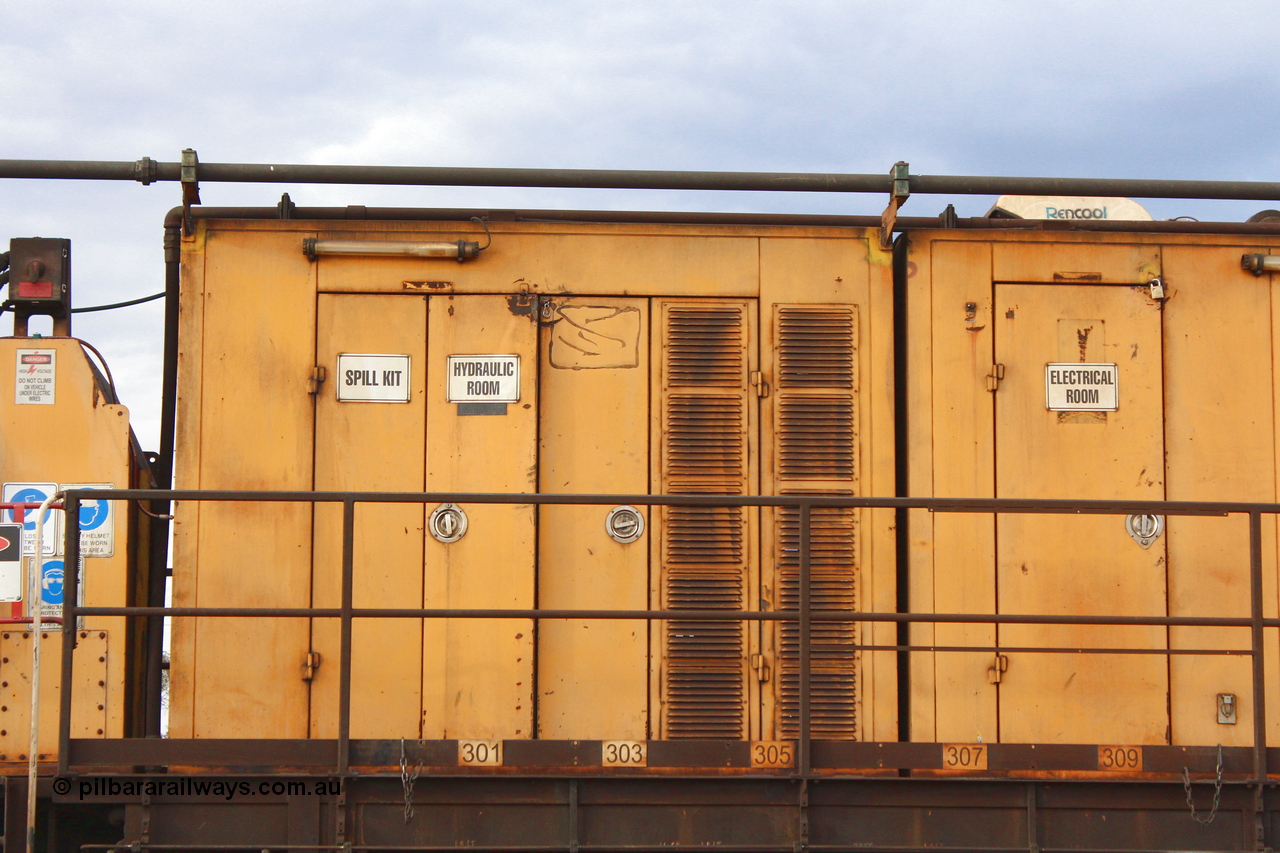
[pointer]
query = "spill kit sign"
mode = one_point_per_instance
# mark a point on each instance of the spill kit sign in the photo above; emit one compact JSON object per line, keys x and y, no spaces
{"x":483,"y":378}
{"x":1072,"y":387}
{"x":34,"y":379}
{"x":364,"y":378}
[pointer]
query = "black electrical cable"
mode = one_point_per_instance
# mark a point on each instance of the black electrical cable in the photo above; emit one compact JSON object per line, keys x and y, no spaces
{"x":150,"y":298}
{"x":9,"y":304}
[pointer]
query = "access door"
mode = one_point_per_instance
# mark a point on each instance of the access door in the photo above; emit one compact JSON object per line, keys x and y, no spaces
{"x":1062,"y":346}
{"x":387,"y":419}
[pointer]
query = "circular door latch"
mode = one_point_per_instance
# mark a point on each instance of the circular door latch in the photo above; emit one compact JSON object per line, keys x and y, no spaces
{"x":624,"y":524}
{"x":448,"y":523}
{"x":1144,"y":528}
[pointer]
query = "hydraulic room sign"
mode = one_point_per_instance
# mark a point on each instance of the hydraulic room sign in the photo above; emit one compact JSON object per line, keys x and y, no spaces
{"x":483,"y":378}
{"x":1074,"y":387}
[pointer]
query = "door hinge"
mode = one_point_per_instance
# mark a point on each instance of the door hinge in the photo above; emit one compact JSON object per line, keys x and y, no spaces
{"x":760,"y":663}
{"x":310,"y":664}
{"x":995,"y":672}
{"x":994,"y":377}
{"x":757,"y":381}
{"x":315,"y":380}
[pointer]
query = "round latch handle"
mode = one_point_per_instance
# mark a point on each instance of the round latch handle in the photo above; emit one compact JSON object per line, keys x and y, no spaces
{"x":448,"y":523}
{"x":624,"y":524}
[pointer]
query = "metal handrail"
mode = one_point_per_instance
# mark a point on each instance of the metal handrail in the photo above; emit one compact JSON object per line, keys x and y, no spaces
{"x":804,"y":615}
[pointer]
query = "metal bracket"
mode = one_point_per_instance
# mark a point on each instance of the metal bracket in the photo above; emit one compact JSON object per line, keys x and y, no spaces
{"x":286,"y":208}
{"x":190,"y":187}
{"x":995,"y":672}
{"x":899,"y":192}
{"x":994,"y":377}
{"x":309,"y":665}
{"x":145,"y":171}
{"x":758,"y":382}
{"x":760,"y":663}
{"x":316,"y":379}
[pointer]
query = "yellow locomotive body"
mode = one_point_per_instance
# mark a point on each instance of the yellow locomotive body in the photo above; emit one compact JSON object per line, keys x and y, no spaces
{"x":670,"y":360}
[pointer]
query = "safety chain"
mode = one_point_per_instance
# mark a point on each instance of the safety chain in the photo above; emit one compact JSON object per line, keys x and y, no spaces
{"x":1217,"y":793}
{"x":406,"y":781}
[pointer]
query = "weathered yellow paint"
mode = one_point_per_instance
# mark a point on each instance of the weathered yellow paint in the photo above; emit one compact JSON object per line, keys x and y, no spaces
{"x":186,"y":518}
{"x":1220,"y":446}
{"x":478,"y":673}
{"x":1079,"y":564}
{"x":92,"y":696}
{"x":584,"y":261}
{"x":477,"y":677}
{"x":258,"y":347}
{"x":371,"y":447}
{"x":1074,"y":263}
{"x":594,"y":432}
{"x":85,"y":439}
{"x":962,"y":422}
{"x":1214,"y":332}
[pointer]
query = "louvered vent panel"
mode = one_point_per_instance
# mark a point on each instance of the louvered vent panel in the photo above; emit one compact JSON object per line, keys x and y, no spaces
{"x":816,"y":436}
{"x":705,"y":436}
{"x":705,"y":345}
{"x":705,"y":549}
{"x":816,"y":443}
{"x":833,"y":585}
{"x":816,"y":346}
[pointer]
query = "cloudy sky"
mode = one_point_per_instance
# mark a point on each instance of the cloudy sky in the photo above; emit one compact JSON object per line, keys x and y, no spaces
{"x":1120,"y":89}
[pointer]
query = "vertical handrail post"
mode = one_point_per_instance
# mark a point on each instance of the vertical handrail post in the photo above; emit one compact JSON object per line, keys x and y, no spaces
{"x":70,"y":600}
{"x":1259,"y":668}
{"x":803,"y":761}
{"x":344,"y":655}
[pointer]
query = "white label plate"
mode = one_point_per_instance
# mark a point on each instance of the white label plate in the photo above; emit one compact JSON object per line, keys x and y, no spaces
{"x":35,"y":493}
{"x":34,"y":377}
{"x":366,"y":378}
{"x":1074,"y":387}
{"x":97,"y":522}
{"x":10,"y":562}
{"x":483,"y":378}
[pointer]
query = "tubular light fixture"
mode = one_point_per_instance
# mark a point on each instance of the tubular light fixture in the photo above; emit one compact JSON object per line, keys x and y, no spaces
{"x":1258,"y":264}
{"x":461,"y":250}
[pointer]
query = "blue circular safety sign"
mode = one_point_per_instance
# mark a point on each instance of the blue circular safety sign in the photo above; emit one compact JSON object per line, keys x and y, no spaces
{"x":27,"y":496}
{"x":93,"y":513}
{"x":51,"y":583}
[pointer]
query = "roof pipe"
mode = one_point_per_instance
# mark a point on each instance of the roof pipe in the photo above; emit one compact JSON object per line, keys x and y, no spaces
{"x":147,"y":171}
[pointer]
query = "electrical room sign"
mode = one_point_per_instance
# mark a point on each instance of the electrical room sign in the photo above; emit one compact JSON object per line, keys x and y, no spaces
{"x":1074,"y":387}
{"x":364,"y":378}
{"x":483,"y":378}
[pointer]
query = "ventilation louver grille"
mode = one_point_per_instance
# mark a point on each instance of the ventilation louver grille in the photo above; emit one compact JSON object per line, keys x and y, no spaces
{"x":704,"y":551}
{"x":815,"y":430}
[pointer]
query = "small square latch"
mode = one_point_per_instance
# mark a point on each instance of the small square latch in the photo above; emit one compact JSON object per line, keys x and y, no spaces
{"x":994,"y":377}
{"x":758,"y":382}
{"x":995,"y":672}
{"x":315,"y":380}
{"x":760,"y":664}
{"x":309,"y":665}
{"x":1227,"y":709}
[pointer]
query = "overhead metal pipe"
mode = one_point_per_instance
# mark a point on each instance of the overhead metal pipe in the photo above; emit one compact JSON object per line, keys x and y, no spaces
{"x":148,"y":171}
